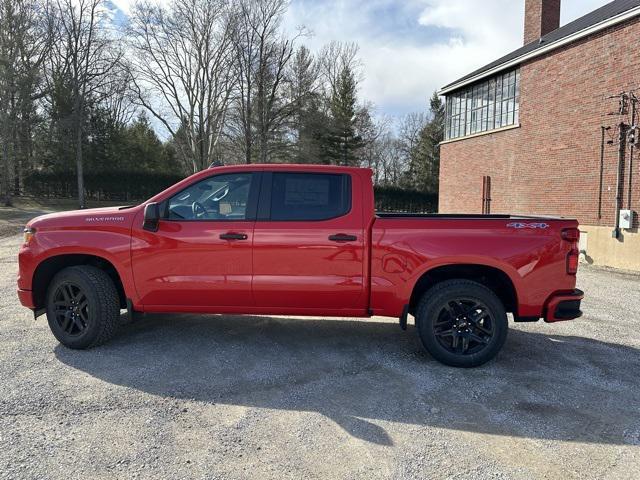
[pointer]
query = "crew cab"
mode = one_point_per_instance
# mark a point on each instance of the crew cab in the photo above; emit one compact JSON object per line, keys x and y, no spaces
{"x":299,"y":240}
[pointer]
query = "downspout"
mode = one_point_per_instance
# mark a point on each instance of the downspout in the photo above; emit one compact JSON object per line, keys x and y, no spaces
{"x":633,"y":124}
{"x":621,"y":149}
{"x":603,"y":130}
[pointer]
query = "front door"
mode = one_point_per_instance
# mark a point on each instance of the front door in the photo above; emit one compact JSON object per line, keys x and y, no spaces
{"x":309,"y":243}
{"x":201,"y":254}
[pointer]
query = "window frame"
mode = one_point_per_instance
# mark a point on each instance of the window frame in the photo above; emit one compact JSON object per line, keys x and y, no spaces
{"x":480,"y":107}
{"x":264,"y":202}
{"x":252,"y":200}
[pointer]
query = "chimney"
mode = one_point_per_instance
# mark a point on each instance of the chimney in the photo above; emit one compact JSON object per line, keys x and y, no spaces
{"x":540,"y":18}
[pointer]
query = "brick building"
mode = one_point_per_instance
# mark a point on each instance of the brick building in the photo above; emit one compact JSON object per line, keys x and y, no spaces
{"x":524,"y":134}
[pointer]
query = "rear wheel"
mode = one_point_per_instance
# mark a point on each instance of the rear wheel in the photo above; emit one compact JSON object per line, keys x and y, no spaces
{"x":461,"y":323}
{"x":83,"y":307}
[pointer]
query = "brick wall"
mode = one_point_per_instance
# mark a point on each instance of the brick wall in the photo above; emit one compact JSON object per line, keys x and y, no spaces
{"x":551,"y":164}
{"x":540,"y":18}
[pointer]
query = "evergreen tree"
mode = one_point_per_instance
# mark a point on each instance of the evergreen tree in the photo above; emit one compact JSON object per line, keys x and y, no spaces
{"x":342,"y":141}
{"x":424,"y":165}
{"x":308,"y":120}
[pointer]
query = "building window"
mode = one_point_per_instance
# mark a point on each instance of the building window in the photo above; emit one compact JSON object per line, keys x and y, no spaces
{"x":494,"y":103}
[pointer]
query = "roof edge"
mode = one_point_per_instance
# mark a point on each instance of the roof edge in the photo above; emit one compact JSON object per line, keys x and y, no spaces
{"x":629,"y":14}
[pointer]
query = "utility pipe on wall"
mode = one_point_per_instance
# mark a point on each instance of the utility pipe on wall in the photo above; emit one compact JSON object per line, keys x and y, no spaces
{"x":633,"y":125}
{"x":603,"y":129}
{"x":622,"y":144}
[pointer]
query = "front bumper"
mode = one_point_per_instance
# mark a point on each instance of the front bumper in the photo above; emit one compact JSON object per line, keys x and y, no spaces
{"x":26,"y":298}
{"x":565,"y":306}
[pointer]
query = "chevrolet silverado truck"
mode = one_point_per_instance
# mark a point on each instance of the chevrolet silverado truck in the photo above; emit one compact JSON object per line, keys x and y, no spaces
{"x":299,"y":240}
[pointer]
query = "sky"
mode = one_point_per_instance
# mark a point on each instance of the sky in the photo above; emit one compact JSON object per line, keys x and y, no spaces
{"x":410,"y":48}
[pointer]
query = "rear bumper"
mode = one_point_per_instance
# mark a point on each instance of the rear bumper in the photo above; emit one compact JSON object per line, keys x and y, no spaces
{"x":26,"y":298}
{"x":564,"y":306}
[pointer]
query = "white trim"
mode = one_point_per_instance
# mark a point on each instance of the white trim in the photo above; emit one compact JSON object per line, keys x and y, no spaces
{"x":549,"y":47}
{"x":481,"y":134}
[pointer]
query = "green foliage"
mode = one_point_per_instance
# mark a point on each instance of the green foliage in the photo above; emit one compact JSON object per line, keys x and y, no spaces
{"x":100,"y":185}
{"x":424,"y":163}
{"x":121,"y":161}
{"x":402,"y":200}
{"x":342,"y":142}
{"x":131,"y":148}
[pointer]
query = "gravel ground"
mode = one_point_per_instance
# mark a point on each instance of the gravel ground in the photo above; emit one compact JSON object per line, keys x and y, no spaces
{"x":263,"y":397}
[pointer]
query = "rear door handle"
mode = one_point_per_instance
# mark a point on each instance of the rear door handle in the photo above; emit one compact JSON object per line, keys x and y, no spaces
{"x":233,"y":236}
{"x":341,"y":237}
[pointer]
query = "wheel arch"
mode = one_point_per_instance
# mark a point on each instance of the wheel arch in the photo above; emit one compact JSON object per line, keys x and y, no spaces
{"x":493,"y":278}
{"x":49,"y":267}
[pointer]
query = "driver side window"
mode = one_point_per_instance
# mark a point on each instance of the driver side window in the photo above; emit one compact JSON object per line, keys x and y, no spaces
{"x":221,"y":197}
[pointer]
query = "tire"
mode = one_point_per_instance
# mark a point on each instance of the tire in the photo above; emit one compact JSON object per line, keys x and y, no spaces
{"x":461,"y":323}
{"x":83,"y":307}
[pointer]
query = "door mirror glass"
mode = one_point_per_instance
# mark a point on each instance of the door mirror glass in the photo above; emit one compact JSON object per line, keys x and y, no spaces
{"x":151,"y":217}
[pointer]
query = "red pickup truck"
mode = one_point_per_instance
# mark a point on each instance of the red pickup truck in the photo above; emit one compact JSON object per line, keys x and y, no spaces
{"x":299,"y":240}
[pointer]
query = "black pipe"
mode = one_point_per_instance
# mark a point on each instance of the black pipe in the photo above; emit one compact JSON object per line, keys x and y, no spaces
{"x":633,"y":124}
{"x":603,"y":130}
{"x":621,"y":149}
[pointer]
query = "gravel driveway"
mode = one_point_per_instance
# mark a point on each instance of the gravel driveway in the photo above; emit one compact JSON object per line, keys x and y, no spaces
{"x":187,"y":396}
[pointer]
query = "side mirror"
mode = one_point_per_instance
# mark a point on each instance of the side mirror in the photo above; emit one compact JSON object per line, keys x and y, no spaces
{"x":151,"y":217}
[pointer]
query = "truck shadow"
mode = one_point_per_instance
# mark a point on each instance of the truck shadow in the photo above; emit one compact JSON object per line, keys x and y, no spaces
{"x":360,"y":372}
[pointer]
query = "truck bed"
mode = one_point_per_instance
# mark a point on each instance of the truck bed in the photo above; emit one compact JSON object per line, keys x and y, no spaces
{"x":470,"y":216}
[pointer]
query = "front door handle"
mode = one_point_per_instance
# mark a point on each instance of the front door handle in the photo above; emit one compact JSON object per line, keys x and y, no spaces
{"x":341,"y":237}
{"x":233,"y":236}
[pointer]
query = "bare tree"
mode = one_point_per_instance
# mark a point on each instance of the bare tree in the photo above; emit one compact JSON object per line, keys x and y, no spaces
{"x":182,"y":70}
{"x":26,"y":36}
{"x":262,"y":58}
{"x":379,"y":149}
{"x":88,"y":55}
{"x":119,"y":97}
{"x":337,"y":57}
{"x":411,"y":125}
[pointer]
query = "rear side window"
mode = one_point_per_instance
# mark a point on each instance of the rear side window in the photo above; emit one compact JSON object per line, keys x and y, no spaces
{"x":309,"y":196}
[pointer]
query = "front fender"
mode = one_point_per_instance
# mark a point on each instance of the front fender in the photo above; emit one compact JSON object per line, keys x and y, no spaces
{"x":113,"y":246}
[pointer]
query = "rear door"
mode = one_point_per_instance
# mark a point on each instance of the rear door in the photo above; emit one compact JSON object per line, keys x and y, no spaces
{"x":308,"y":244}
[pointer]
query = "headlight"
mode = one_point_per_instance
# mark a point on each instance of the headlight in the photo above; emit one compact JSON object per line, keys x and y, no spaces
{"x":28,"y":234}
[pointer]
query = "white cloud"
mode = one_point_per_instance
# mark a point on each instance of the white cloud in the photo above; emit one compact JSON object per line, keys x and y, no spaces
{"x":447,"y":39}
{"x":410,"y":48}
{"x":123,"y":5}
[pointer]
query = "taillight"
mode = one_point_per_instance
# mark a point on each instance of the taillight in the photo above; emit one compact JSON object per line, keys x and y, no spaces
{"x":572,"y":235}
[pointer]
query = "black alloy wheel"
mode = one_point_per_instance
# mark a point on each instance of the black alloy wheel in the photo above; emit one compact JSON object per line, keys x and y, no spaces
{"x":71,"y":309}
{"x":464,"y":326}
{"x":83,"y":306}
{"x":461,"y":323}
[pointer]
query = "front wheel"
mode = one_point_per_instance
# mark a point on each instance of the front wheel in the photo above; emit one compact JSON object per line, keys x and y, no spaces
{"x":83,"y":307}
{"x":461,"y":323}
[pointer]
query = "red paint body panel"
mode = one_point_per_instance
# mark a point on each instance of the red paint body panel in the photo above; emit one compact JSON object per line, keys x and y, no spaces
{"x":292,"y":267}
{"x":405,"y":249}
{"x":102,"y":232}
{"x":187,"y":264}
{"x":295,"y":265}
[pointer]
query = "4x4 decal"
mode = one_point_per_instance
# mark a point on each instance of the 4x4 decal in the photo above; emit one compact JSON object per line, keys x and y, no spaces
{"x":528,"y":225}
